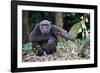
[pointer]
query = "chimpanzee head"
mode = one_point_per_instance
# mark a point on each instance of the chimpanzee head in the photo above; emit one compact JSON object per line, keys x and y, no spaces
{"x":45,"y":26}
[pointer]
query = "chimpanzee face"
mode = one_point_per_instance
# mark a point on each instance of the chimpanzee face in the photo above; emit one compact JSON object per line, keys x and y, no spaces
{"x":45,"y":27}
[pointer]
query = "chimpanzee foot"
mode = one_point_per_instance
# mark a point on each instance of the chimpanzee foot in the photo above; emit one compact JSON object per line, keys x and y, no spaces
{"x":39,"y":51}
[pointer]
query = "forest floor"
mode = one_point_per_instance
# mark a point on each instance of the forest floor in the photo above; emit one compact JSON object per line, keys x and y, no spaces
{"x":75,"y":54}
{"x":65,"y":51}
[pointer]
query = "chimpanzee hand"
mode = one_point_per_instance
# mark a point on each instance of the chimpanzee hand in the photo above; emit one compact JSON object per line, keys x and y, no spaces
{"x":72,"y":39}
{"x":39,"y":51}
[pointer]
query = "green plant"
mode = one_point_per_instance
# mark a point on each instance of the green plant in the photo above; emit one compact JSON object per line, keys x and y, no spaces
{"x":27,"y":47}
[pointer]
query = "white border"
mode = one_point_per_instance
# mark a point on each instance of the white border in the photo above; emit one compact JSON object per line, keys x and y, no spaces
{"x":53,"y":63}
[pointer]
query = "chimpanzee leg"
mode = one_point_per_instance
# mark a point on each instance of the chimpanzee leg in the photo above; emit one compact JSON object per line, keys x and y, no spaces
{"x":37,"y":49}
{"x":51,"y":46}
{"x":34,"y":45}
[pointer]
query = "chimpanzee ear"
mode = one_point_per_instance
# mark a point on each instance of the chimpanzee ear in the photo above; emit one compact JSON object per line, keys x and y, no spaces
{"x":40,"y":26}
{"x":50,"y":23}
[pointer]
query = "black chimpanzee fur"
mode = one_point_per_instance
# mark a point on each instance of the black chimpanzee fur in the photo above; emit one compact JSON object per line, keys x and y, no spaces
{"x":45,"y":35}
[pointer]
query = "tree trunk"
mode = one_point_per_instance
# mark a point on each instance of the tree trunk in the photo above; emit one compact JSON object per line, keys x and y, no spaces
{"x":25,"y":26}
{"x":59,"y":22}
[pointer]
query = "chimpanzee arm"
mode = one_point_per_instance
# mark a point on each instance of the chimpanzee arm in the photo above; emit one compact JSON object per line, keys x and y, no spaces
{"x":39,"y":38}
{"x":63,"y":33}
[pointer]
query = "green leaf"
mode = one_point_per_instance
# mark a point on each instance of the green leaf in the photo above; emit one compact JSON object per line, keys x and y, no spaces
{"x":75,"y":28}
{"x":27,"y":47}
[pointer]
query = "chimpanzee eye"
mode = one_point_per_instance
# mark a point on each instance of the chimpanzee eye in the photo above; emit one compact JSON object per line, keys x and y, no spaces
{"x":45,"y":24}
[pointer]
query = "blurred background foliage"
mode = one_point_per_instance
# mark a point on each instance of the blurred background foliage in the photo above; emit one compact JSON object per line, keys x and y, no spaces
{"x":77,"y":24}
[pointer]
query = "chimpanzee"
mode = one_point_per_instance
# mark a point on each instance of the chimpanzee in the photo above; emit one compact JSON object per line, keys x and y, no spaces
{"x":44,"y":37}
